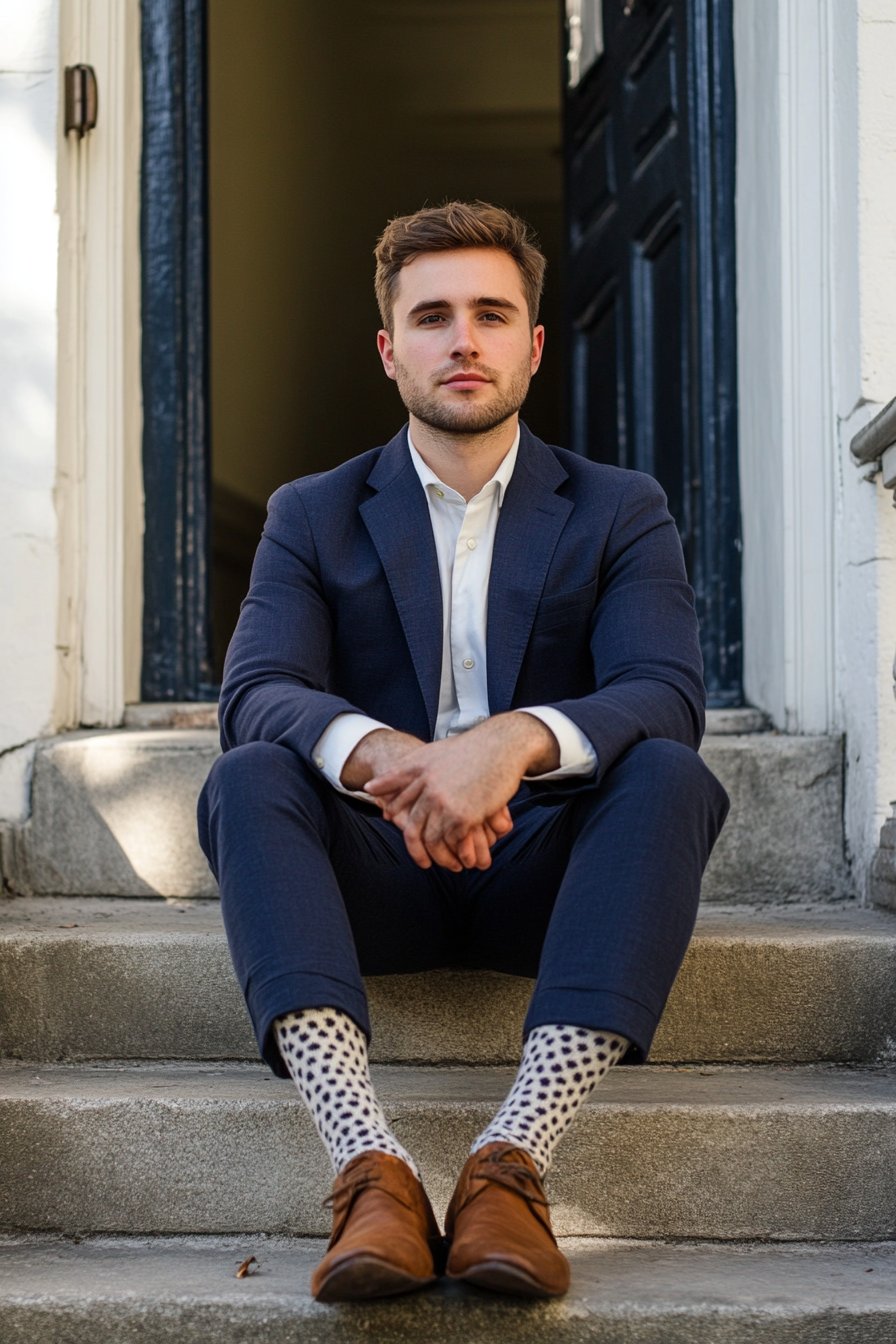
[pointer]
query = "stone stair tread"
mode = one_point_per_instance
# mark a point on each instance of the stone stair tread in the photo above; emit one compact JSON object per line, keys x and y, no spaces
{"x":97,"y":917}
{"x":623,"y":1292}
{"x":753,"y":1152}
{"x":654,"y":1086}
{"x":114,"y":812}
{"x":92,"y":978}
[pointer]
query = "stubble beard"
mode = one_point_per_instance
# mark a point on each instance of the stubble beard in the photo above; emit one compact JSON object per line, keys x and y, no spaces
{"x":460,"y":417}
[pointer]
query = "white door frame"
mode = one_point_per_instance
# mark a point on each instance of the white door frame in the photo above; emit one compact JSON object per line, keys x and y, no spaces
{"x":99,"y":480}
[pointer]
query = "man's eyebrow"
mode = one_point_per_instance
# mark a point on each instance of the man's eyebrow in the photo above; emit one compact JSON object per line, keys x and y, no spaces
{"x":431,"y":305}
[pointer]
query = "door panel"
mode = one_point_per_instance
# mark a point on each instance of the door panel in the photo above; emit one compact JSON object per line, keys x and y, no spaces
{"x":650,"y":283}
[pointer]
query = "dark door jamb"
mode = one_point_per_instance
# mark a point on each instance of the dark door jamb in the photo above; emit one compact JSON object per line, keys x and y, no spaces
{"x":176,"y":449}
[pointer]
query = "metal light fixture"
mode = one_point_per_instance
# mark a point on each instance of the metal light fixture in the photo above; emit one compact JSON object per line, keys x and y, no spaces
{"x":81,"y":99}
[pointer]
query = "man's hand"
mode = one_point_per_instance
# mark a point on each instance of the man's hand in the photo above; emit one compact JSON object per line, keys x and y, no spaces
{"x":379,"y":752}
{"x":450,"y":798}
{"x":376,"y":753}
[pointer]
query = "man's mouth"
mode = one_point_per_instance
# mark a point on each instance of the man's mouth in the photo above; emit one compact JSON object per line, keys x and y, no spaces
{"x":466,"y":381}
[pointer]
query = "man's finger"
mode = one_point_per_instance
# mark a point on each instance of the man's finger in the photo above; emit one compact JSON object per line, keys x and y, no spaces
{"x":391,"y":781}
{"x":501,"y":822}
{"x":403,"y":800}
{"x":445,"y":857}
{"x":481,"y":846}
{"x":415,"y":847}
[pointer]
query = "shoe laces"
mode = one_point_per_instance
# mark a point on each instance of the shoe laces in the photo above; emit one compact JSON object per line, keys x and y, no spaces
{"x":522,"y":1180}
{"x":346,"y":1190}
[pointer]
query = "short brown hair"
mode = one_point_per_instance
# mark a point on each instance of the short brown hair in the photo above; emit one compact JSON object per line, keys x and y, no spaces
{"x":447,"y":228}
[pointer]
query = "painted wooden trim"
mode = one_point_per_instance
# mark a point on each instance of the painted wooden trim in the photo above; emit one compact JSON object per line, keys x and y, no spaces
{"x":176,"y":459}
{"x":786,"y":276}
{"x":98,"y":395}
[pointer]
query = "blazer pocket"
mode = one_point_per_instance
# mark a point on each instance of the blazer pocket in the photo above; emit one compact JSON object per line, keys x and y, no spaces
{"x":559,"y":608}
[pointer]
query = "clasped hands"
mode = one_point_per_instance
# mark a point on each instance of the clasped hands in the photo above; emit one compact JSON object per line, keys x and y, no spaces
{"x":450,"y":798}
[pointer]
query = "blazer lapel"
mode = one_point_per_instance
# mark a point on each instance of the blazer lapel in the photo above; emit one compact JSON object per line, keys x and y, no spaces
{"x":397,"y":518}
{"x":529,"y":527}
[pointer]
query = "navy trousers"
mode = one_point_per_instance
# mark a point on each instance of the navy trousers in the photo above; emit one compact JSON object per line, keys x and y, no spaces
{"x":595,"y":892}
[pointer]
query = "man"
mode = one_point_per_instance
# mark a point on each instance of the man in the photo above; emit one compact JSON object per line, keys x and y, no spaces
{"x":460,"y":717}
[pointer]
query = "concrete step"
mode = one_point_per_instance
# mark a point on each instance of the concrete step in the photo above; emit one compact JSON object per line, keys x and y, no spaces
{"x":728,"y":1154}
{"x":113,"y":814}
{"x":183,"y":1291}
{"x":93,"y":978}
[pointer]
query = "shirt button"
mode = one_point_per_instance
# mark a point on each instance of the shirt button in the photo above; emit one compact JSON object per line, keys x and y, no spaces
{"x":319,"y":761}
{"x":471,"y":544}
{"x":441,"y":494}
{"x":468,"y":663}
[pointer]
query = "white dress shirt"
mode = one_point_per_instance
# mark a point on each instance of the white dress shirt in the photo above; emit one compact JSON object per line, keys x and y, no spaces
{"x":464,"y":535}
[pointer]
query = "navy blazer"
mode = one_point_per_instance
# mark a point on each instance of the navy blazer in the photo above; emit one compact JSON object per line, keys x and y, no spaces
{"x":589,"y":608}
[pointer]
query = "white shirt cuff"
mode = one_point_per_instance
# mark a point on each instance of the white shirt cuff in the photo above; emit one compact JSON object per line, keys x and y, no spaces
{"x":337,"y":742}
{"x":577,"y":755}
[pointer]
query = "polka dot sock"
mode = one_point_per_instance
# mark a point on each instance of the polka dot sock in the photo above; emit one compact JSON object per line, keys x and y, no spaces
{"x":326,"y":1054}
{"x":560,"y":1068}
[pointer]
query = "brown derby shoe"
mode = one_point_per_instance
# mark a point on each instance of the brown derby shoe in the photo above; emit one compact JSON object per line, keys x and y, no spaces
{"x":499,"y":1227}
{"x":384,"y":1233}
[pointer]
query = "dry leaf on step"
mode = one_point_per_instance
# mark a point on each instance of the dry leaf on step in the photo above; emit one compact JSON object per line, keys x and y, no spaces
{"x":244,"y":1271}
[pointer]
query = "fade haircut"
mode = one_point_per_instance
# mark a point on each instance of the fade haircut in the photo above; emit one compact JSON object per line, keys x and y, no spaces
{"x":448,"y":228}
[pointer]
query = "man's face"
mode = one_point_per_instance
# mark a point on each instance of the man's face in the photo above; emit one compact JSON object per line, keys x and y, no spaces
{"x":462,"y":351}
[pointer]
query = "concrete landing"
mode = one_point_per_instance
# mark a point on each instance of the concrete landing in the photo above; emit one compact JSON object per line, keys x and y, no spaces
{"x":728,"y":1153}
{"x":94,"y":978}
{"x":183,"y":1291}
{"x":113,"y":814}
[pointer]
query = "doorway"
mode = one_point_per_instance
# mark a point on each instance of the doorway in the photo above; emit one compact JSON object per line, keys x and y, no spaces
{"x":279,"y":137}
{"x":325,"y":121}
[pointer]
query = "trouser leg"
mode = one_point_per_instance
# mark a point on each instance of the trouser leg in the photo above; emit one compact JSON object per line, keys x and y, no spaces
{"x":307,"y":877}
{"x":606,"y":889}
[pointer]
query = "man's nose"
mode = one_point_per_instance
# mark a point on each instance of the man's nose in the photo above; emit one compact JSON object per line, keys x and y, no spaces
{"x":464,"y":345}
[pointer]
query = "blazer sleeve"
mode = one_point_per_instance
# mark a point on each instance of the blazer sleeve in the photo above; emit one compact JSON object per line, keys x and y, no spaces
{"x":278,"y":662}
{"x":645,"y":642}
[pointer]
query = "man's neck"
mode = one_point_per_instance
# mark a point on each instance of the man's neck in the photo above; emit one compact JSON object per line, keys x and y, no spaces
{"x":465,"y":462}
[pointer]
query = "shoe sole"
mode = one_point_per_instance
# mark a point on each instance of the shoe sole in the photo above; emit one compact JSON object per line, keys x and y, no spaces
{"x":366,"y":1277}
{"x":500,"y":1277}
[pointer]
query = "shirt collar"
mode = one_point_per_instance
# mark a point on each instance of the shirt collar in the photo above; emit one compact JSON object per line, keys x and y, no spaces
{"x":500,"y":480}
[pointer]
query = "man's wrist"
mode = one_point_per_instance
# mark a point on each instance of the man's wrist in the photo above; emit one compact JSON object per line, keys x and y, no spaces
{"x":535,"y":747}
{"x":377,"y":751}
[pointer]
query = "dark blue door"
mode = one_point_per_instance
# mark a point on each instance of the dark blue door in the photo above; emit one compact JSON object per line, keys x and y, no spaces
{"x":650,"y":277}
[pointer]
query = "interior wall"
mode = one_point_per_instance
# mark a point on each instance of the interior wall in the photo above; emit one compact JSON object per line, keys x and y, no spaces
{"x":325,"y":121}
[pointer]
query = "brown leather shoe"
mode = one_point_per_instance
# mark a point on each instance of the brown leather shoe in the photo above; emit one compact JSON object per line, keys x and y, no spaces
{"x":499,"y":1227}
{"x":384,"y":1233}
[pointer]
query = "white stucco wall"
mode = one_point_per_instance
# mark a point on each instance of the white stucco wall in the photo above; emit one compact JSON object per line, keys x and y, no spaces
{"x":816,"y":218}
{"x":28,"y":266}
{"x":866,"y":598}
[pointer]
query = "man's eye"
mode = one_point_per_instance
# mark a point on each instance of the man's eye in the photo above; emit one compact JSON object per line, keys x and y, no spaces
{"x":431,"y":319}
{"x":493,"y":317}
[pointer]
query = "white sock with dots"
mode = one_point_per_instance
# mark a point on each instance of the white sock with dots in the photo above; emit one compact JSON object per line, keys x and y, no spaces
{"x":560,"y":1068}
{"x":326,"y":1054}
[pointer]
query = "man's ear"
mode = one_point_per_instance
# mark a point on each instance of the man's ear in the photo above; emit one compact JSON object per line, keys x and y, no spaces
{"x":537,"y":348}
{"x":387,"y":353}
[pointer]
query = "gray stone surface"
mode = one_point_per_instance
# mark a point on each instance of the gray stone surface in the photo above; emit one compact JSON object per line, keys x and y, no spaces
{"x":882,"y":874}
{"x":183,"y":1291}
{"x":114,"y":815}
{"x":724,"y":1153}
{"x":727,"y":721}
{"x":84,"y":978}
{"x":180,"y":714}
{"x":784,"y":834}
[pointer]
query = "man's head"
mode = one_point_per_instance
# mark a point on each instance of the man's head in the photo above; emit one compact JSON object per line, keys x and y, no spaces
{"x":458,"y":289}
